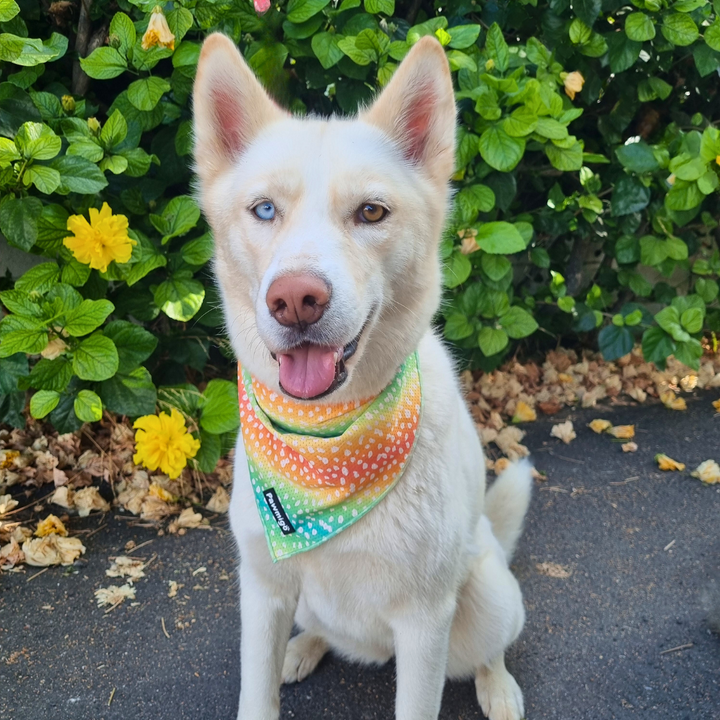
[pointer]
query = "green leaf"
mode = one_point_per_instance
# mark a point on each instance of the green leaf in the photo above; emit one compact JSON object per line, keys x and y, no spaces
{"x":551,"y":128}
{"x":180,"y":215}
{"x":37,"y":141}
{"x":637,"y":157}
{"x":43,"y":402}
{"x":521,"y":122}
{"x":180,"y":20}
{"x":657,"y":346}
{"x":518,"y":323}
{"x":711,"y":35}
{"x":32,"y":51}
{"x":456,"y":270}
{"x":88,"y":149}
{"x":499,"y":150}
{"x":104,"y":63}
{"x":565,"y":159}
{"x":615,"y":342}
{"x":500,"y":238}
{"x":495,"y":266}
{"x":18,"y":221}
{"x":669,"y":320}
{"x":708,"y":183}
{"x":587,"y":10}
{"x":114,"y":131}
{"x":75,"y":273}
{"x":198,"y":251}
{"x":8,"y":10}
{"x":220,"y":407}
{"x":180,"y":297}
{"x":79,"y":175}
{"x":209,"y":453}
{"x":689,"y":353}
{"x":131,"y":394}
{"x":45,"y":179}
{"x":680,"y":29}
{"x":8,"y":152}
{"x":639,"y":27}
{"x":692,"y":320}
{"x":134,"y":344}
{"x":461,"y":61}
{"x":51,"y":374}
{"x":39,"y":279}
{"x":683,"y":196}
{"x":687,"y":168}
{"x":707,"y":289}
{"x":497,"y":48}
{"x":540,"y":257}
{"x":492,"y":340}
{"x":122,"y":28}
{"x":629,"y":196}
{"x":96,"y":358}
{"x":301,"y":10}
{"x":472,"y":200}
{"x":676,"y":248}
{"x":457,"y":327}
{"x":463,"y":36}
{"x":87,"y":316}
{"x":652,"y":251}
{"x":145,"y":94}
{"x":326,"y":48}
{"x":386,"y":7}
{"x":11,"y":370}
{"x":622,"y":52}
{"x":88,"y":406}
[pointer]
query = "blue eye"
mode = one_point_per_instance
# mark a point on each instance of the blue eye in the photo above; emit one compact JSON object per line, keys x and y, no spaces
{"x":265,"y":210}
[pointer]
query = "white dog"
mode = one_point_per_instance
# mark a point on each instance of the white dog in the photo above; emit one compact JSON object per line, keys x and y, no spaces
{"x":327,"y":235}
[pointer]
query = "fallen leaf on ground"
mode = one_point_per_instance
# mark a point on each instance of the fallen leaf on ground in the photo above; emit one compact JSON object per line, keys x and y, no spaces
{"x":666,"y":463}
{"x":114,"y":595}
{"x":629,"y":447}
{"x":63,"y":497}
{"x":554,"y":570}
{"x":600,"y":426}
{"x":219,"y":502}
{"x":89,"y":499}
{"x":622,"y":432}
{"x":671,"y":401}
{"x":708,"y":472}
{"x":124,"y":566}
{"x":11,"y":555}
{"x":524,"y":413}
{"x":52,"y":550}
{"x":51,"y":524}
{"x":7,"y":503}
{"x":564,"y":431}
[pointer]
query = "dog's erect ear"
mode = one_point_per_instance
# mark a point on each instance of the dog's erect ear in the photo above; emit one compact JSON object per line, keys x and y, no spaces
{"x":417,"y":109}
{"x":229,"y":104}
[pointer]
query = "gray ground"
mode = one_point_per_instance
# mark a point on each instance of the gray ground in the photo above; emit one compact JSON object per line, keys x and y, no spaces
{"x":593,"y":646}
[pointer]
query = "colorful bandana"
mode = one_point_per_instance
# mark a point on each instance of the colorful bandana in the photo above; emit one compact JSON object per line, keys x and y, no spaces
{"x":317,"y":469}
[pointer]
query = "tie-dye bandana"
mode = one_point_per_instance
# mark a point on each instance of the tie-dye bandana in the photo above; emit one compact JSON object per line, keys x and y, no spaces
{"x":317,"y":469}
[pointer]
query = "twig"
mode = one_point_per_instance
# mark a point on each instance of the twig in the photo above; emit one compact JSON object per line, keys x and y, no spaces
{"x":626,"y":480}
{"x":564,"y":457}
{"x":32,"y":577}
{"x":162,"y":619}
{"x":112,"y":695}
{"x":679,"y":647}
{"x":137,"y":547}
{"x":667,"y":547}
{"x":80,"y":81}
{"x":97,"y":529}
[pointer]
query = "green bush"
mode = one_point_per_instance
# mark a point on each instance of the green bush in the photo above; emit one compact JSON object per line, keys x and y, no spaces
{"x":587,"y":176}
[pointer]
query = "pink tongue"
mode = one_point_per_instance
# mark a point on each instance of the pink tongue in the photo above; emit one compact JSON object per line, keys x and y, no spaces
{"x":307,"y":371}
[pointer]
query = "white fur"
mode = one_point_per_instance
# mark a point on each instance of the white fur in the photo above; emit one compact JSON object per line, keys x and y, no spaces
{"x":424,"y":576}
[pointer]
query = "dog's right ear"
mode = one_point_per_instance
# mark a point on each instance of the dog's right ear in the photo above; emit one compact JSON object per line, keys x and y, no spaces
{"x":229,"y":105}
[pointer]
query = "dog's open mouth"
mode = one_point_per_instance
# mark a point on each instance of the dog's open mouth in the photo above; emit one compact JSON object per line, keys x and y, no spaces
{"x":310,"y":371}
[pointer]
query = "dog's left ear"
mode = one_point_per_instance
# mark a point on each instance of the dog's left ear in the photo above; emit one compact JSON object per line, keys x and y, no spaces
{"x":417,"y":109}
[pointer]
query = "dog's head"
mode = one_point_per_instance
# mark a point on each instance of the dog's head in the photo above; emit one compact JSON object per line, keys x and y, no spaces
{"x":326,"y":231}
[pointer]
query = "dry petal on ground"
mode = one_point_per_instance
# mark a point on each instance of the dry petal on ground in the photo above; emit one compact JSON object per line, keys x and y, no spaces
{"x":671,"y":401}
{"x":89,"y":499}
{"x":622,"y":432}
{"x":153,"y":508}
{"x":716,"y":405}
{"x":629,"y":447}
{"x":63,"y":497}
{"x":508,"y":440}
{"x":524,"y":413}
{"x":11,"y":555}
{"x":51,"y":524}
{"x":124,"y":566}
{"x":189,"y":518}
{"x":554,"y":570}
{"x":52,"y":550}
{"x":564,"y":431}
{"x":708,"y":472}
{"x":158,"y":491}
{"x":219,"y":502}
{"x":7,"y":503}
{"x":600,"y":426}
{"x":667,"y":463}
{"x":501,"y":465}
{"x":173,"y":588}
{"x":114,"y":595}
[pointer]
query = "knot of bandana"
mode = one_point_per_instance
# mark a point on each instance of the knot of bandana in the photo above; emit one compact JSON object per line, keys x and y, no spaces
{"x":317,"y":468}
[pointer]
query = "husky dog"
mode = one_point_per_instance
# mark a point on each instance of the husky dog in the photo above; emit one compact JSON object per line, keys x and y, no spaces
{"x":327,"y":234}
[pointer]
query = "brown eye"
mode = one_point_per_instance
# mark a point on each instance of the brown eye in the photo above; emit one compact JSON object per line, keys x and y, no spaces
{"x":371,"y":213}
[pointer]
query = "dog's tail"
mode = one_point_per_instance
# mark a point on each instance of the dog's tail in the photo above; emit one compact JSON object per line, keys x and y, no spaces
{"x":506,"y":503}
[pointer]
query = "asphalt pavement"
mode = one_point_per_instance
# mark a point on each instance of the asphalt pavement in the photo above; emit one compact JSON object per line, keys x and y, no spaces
{"x":617,"y":565}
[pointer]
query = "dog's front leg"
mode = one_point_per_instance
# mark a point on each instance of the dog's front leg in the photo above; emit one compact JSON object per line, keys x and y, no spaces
{"x":421,"y":650}
{"x":267,"y":610}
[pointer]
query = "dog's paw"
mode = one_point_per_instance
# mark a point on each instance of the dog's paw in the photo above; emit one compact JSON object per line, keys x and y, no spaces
{"x":303,"y":654}
{"x":499,"y":695}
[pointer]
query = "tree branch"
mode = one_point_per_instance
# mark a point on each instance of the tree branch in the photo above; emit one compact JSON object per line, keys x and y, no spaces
{"x":80,"y":81}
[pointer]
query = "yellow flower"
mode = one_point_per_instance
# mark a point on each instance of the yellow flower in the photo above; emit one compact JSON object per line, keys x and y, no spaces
{"x":574,"y":82}
{"x":98,"y":242}
{"x":666,"y":463}
{"x":158,"y":31}
{"x":162,"y":441}
{"x":51,"y":524}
